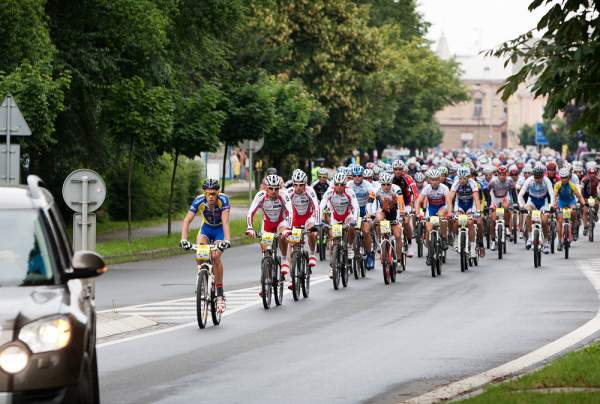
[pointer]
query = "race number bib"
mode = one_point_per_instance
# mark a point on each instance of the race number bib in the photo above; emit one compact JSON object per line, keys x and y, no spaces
{"x":203,"y":253}
{"x":463,"y":220}
{"x":434,"y":220}
{"x":267,"y":239}
{"x":500,"y":212}
{"x":536,"y":216}
{"x":336,"y":230}
{"x":385,"y":226}
{"x":296,"y":235}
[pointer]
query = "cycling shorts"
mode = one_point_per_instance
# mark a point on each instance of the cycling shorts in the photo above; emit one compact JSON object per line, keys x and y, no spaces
{"x":345,"y":219}
{"x":212,"y":233}
{"x":363,"y":211}
{"x":566,"y":204}
{"x":272,"y":227}
{"x":433,"y":210}
{"x":538,"y":203}
{"x":465,"y":208}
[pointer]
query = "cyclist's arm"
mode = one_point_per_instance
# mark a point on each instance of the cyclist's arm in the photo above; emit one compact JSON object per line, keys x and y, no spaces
{"x":550,"y":192}
{"x":287,"y":203}
{"x":476,"y":200}
{"x":522,"y":192}
{"x":225,"y":221}
{"x":185,"y":226}
{"x":354,"y":201}
{"x":450,"y":200}
{"x":253,"y":208}
{"x":580,"y":198}
{"x":315,"y":202}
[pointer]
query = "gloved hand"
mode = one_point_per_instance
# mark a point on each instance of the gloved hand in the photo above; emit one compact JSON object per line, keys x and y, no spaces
{"x":186,"y":245}
{"x":476,"y":215}
{"x":250,"y":232}
{"x":223,"y":245}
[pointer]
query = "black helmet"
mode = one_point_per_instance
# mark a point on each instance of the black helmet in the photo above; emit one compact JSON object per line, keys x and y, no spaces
{"x":271,"y":171}
{"x":538,"y":171}
{"x":211,"y":183}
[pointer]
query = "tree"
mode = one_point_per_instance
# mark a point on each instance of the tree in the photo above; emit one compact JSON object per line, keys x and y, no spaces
{"x":527,"y":135}
{"x":402,"y":14}
{"x":563,"y":65}
{"x":140,"y":119}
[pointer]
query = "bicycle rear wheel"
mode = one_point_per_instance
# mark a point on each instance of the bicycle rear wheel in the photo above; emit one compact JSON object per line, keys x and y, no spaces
{"x":216,"y":316}
{"x":432,"y":253}
{"x":552,"y":236}
{"x":321,"y":243}
{"x":277,"y":282}
{"x":296,"y":274}
{"x":266,"y":282}
{"x":385,"y":264}
{"x":305,"y":278}
{"x":335,"y":256}
{"x":343,"y":268}
{"x":499,"y":242}
{"x":202,"y":296}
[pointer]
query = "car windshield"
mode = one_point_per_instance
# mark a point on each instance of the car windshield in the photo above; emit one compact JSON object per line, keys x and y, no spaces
{"x":24,"y":252}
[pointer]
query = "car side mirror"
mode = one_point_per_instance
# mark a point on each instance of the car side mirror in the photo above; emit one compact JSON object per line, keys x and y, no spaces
{"x":86,"y":264}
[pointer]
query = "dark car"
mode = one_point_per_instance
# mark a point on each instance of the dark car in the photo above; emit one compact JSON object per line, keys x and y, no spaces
{"x":47,"y":313}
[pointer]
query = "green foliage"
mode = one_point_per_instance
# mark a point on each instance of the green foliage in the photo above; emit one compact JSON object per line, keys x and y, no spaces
{"x":400,"y":13}
{"x":564,"y":63}
{"x":527,"y":135}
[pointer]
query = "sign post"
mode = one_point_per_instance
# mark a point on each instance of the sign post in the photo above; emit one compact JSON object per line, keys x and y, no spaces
{"x":84,"y":192}
{"x":253,"y":146}
{"x":12,"y":123}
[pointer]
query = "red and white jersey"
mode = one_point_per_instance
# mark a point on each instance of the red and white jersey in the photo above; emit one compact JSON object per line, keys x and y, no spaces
{"x":274,"y":210}
{"x":340,"y":205}
{"x":305,"y":204}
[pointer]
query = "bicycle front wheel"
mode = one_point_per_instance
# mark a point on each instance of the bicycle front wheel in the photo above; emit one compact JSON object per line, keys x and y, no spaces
{"x":296,"y":271}
{"x":216,"y":316}
{"x":266,"y":282}
{"x":277,"y":282}
{"x":305,"y":279}
{"x":202,"y":298}
{"x":335,"y":257}
{"x":386,"y":265}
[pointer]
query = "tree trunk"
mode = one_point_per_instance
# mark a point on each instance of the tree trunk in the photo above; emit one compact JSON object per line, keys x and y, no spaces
{"x":175,"y":158}
{"x":224,"y":168}
{"x":130,"y":174}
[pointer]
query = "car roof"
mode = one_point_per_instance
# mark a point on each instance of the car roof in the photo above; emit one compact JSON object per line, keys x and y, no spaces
{"x":21,"y":197}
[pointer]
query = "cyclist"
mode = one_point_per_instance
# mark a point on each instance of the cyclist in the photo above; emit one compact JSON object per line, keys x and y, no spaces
{"x":389,"y":205}
{"x":322,"y":184}
{"x":539,"y":188}
{"x":436,"y":196}
{"x":305,"y":210}
{"x":409,"y":191}
{"x":365,"y":193}
{"x":276,"y":213}
{"x":270,"y":171}
{"x":341,"y":202}
{"x":420,"y":182}
{"x":551,"y":172}
{"x":566,"y":195}
{"x":213,"y":208}
{"x":502,"y":191}
{"x":589,"y":189}
{"x":466,"y":192}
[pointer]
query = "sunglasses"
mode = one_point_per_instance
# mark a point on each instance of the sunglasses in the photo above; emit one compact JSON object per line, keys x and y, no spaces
{"x":299,"y":185}
{"x":273,"y":188}
{"x":211,"y":194}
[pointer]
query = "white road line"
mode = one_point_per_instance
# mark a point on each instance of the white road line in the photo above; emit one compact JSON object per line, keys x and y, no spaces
{"x":591,"y":269}
{"x":229,"y":312}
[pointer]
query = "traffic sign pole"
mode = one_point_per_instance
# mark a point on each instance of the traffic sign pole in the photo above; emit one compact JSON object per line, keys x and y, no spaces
{"x":12,"y":123}
{"x":8,"y":128}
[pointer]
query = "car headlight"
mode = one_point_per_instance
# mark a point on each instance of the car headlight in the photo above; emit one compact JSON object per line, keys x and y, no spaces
{"x":13,"y":358}
{"x":49,"y":334}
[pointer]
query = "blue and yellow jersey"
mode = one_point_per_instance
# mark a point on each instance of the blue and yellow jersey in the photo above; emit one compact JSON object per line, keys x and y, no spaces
{"x":209,"y":216}
{"x":565,"y":192}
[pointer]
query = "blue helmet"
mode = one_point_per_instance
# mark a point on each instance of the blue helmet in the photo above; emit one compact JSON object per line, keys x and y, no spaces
{"x":357,"y":170}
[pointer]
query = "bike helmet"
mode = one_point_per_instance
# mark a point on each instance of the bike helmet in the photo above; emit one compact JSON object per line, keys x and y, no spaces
{"x":339,"y":178}
{"x":488,"y":170}
{"x":592,"y":170}
{"x":419,"y":177}
{"x":527,"y":169}
{"x":271,"y":170}
{"x":538,"y":171}
{"x":398,"y":164}
{"x":513,"y":170}
{"x":502,"y":170}
{"x":322,"y":172}
{"x":433,"y":173}
{"x":370,"y":165}
{"x":368,"y":173}
{"x":347,"y":171}
{"x":564,"y":173}
{"x":424,"y":167}
{"x":299,"y":177}
{"x":443,"y":171}
{"x":376,"y":170}
{"x":211,"y":183}
{"x":357,"y":170}
{"x":389,"y":168}
{"x":463,"y":172}
{"x":272,"y":181}
{"x":551,"y":166}
{"x":386,"y":178}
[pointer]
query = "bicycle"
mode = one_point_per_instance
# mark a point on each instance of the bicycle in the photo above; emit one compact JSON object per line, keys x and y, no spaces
{"x":552,"y":233}
{"x":206,"y":291}
{"x":271,"y":280}
{"x":339,"y":255}
{"x":435,"y":252}
{"x":300,"y":271}
{"x":359,"y":264}
{"x":537,"y":237}
{"x":388,"y":251}
{"x":576,"y":223}
{"x":567,"y":235}
{"x":500,"y":232}
{"x":464,"y":246}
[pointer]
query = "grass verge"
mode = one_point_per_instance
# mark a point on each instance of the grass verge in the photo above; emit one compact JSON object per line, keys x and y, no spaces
{"x":119,"y":251}
{"x":573,"y":378}
{"x":117,"y":225}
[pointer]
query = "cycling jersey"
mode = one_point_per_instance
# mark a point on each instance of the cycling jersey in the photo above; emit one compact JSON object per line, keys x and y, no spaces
{"x":364,"y":192}
{"x":320,"y":188}
{"x":407,"y":186}
{"x":435,"y":197}
{"x":589,"y":187}
{"x":499,"y":190}
{"x":538,"y":192}
{"x":566,"y":194}
{"x":341,"y":205}
{"x":304,"y":206}
{"x":464,"y":195}
{"x":210,"y":216}
{"x":390,"y":199}
{"x":274,"y":211}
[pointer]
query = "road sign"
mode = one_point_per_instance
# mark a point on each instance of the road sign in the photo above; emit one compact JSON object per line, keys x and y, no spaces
{"x":540,"y":137}
{"x":84,"y":191}
{"x":12,"y":123}
{"x":73,"y":188}
{"x":252,"y":145}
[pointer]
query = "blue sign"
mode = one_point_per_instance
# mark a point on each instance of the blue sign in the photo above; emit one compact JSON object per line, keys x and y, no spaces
{"x":540,"y":137}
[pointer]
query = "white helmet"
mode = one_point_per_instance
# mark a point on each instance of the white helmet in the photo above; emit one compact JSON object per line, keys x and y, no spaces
{"x":419,"y":177}
{"x":399,"y":164}
{"x":386,"y":178}
{"x":272,"y":181}
{"x":463,"y":172}
{"x":433,"y":173}
{"x":368,"y":173}
{"x":323,"y":172}
{"x":339,"y":178}
{"x":299,"y":177}
{"x":564,"y":173}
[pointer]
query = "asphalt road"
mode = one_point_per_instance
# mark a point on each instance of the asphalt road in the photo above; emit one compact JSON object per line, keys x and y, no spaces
{"x":367,"y":343}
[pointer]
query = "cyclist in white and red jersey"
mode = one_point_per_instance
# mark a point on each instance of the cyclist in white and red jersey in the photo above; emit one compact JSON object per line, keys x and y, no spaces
{"x":305,"y":209}
{"x":277,"y":214}
{"x":409,"y":194}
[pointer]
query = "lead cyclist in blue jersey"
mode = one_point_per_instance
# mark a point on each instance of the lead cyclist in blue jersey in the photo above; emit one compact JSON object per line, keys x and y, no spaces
{"x":213,"y":208}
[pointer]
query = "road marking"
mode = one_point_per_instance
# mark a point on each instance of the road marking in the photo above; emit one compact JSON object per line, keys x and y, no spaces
{"x":591,"y":269}
{"x":231,"y":309}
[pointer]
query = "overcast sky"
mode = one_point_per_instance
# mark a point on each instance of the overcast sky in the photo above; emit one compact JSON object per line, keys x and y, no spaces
{"x":469,"y":22}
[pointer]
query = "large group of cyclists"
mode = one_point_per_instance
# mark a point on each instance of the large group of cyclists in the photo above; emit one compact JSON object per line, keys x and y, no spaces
{"x":357,"y":216}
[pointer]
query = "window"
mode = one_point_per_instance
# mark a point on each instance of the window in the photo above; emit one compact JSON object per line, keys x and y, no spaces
{"x":478,"y":108}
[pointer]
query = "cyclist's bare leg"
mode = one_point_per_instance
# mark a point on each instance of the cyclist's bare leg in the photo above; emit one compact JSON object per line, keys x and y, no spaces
{"x":312,"y":235}
{"x":492,"y":227}
{"x":545,"y":226}
{"x":397,"y":230}
{"x":366,"y":230}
